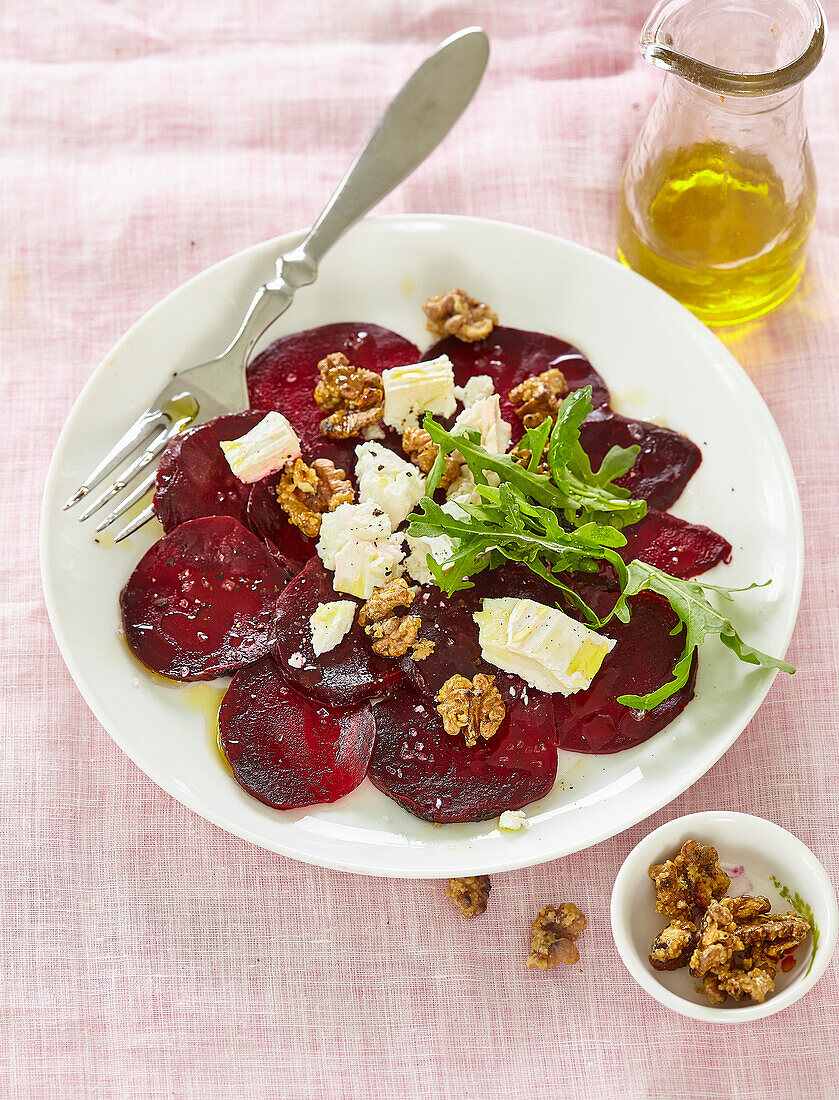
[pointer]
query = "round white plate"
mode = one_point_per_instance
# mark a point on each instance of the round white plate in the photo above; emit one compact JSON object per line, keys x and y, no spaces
{"x":659,"y":362}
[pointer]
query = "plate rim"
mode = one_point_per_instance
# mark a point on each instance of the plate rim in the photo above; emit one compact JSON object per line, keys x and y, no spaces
{"x":513,"y":861}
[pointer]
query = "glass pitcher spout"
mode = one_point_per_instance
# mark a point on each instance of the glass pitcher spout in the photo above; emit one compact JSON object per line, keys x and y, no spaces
{"x":792,"y":50}
{"x":719,"y":191}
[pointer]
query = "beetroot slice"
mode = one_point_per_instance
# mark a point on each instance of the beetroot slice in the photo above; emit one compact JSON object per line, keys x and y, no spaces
{"x":287,"y":751}
{"x":665,"y":465}
{"x":593,"y":721}
{"x":268,"y":520}
{"x":283,"y":377}
{"x":439,"y":778}
{"x":346,"y":674}
{"x":509,"y":355}
{"x":677,"y":547}
{"x":194,"y":479}
{"x":201,"y":601}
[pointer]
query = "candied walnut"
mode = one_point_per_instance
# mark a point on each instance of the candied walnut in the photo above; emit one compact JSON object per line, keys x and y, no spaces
{"x":712,"y":990}
{"x":692,"y":879}
{"x":396,"y":593}
{"x":393,"y":635}
{"x":739,"y":944}
{"x":553,"y":936}
{"x":305,"y":492}
{"x":422,"y":649}
{"x":418,"y":446}
{"x":473,"y":706}
{"x":470,"y":894}
{"x":673,"y":946}
{"x":537,"y":398}
{"x":457,"y":313}
{"x":352,"y":395}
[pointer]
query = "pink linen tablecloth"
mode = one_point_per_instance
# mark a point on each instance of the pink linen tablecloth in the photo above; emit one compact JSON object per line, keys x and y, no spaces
{"x":143,"y":952}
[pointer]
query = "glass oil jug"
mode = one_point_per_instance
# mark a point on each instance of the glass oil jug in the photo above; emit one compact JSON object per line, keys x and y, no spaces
{"x":719,"y":192}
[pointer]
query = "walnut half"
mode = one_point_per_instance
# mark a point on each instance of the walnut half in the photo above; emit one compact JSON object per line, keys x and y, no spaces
{"x":393,"y":635}
{"x":553,"y":936}
{"x":474,"y":707}
{"x":457,"y":313}
{"x":537,"y":398}
{"x":353,"y":396}
{"x":305,"y":492}
{"x":470,"y":894}
{"x":422,"y":451}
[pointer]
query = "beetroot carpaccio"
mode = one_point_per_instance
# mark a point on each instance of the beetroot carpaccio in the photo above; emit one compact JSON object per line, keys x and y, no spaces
{"x":234,"y":586}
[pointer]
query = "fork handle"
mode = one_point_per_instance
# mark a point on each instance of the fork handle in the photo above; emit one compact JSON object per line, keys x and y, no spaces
{"x":415,"y":122}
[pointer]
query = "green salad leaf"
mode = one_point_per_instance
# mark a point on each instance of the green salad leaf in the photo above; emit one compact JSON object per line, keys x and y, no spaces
{"x":803,"y":909}
{"x":548,"y":509}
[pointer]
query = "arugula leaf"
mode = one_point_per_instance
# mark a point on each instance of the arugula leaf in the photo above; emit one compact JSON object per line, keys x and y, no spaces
{"x":803,"y":909}
{"x":566,"y":520}
{"x":698,"y":617}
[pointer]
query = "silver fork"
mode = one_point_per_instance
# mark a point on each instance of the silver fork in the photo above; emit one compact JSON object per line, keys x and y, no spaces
{"x":417,"y":120}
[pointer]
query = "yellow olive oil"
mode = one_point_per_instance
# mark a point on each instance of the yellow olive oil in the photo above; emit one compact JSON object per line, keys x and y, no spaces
{"x":717,"y":232}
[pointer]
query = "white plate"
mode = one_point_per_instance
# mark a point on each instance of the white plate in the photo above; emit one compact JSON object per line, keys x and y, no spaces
{"x":658,"y":361}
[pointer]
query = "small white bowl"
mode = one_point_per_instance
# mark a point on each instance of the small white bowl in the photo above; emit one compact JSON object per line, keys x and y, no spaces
{"x":762,"y":849}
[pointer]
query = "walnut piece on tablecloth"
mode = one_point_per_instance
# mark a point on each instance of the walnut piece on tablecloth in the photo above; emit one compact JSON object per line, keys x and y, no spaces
{"x":470,"y":894}
{"x":457,"y":313}
{"x":393,"y":635}
{"x":538,"y":397}
{"x":353,"y":396}
{"x":422,"y":451}
{"x":691,"y":880}
{"x":473,"y":707}
{"x":553,"y":936}
{"x":305,"y":492}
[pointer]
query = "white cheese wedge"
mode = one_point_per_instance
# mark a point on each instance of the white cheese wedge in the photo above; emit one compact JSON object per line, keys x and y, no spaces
{"x":266,"y":448}
{"x":477,"y":388}
{"x":388,"y":481}
{"x":350,"y":523}
{"x":418,"y":388}
{"x":330,"y":623}
{"x":463,"y":489}
{"x":361,"y":567}
{"x":512,"y":821}
{"x":485,"y":416}
{"x":545,"y":647}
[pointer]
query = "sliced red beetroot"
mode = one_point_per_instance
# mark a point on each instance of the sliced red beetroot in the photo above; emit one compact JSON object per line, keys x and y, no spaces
{"x":679,"y":548}
{"x":439,"y":778}
{"x":346,"y":674}
{"x":283,"y":377}
{"x":271,"y":523}
{"x":665,"y":465}
{"x":593,"y":721}
{"x":193,"y":477}
{"x":286,"y":750}
{"x":201,"y":601}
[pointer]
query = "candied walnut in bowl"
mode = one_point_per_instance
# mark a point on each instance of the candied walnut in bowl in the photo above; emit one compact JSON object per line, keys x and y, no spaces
{"x":726,"y":959}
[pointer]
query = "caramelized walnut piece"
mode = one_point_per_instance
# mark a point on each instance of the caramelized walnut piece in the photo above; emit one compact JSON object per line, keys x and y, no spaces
{"x":418,"y":446}
{"x":673,"y":946}
{"x":474,"y":707}
{"x":457,"y":313}
{"x":393,"y":635}
{"x":553,"y":935}
{"x":537,"y":398}
{"x":305,"y":492}
{"x":470,"y":894}
{"x":692,"y":879}
{"x":422,"y":649}
{"x":739,"y":945}
{"x":352,"y":395}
